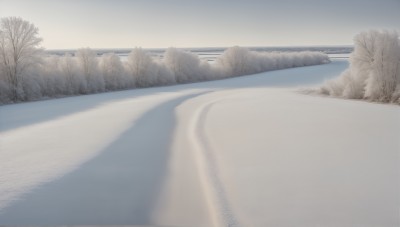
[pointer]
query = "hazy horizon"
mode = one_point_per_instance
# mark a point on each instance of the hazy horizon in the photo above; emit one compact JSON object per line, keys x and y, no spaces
{"x":192,"y":24}
{"x":201,"y":48}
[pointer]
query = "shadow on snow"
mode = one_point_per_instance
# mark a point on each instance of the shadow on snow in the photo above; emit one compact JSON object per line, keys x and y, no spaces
{"x":119,"y":186}
{"x":15,"y":116}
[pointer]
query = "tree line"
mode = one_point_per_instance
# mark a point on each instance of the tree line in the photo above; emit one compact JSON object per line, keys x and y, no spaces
{"x":27,"y":73}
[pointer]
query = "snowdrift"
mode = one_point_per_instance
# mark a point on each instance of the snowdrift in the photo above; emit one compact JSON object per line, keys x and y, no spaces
{"x":245,"y":151}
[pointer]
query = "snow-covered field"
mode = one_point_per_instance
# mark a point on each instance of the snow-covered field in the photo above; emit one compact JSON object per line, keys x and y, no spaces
{"x":246,"y":151}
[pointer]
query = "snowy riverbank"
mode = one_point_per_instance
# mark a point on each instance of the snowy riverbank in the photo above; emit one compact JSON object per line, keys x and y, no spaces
{"x":245,"y":151}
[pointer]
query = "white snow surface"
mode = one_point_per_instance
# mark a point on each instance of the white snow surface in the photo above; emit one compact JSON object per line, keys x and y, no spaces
{"x":246,"y":151}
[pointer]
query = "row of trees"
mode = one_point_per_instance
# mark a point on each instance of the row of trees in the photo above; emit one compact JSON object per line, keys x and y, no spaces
{"x":374,"y":72}
{"x":26,"y":73}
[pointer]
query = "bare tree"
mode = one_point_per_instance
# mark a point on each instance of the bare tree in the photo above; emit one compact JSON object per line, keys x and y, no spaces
{"x":19,"y":49}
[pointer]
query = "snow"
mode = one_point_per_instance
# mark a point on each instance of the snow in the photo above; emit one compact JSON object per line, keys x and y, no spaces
{"x":245,"y":151}
{"x":317,"y":162}
{"x":60,"y":76}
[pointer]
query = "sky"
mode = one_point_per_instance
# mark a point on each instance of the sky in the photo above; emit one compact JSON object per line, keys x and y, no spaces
{"x":201,"y":23}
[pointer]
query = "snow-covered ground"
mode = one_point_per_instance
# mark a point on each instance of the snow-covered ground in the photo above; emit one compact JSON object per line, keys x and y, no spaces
{"x":246,"y":151}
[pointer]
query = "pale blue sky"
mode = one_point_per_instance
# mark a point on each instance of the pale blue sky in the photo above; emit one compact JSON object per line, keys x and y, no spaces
{"x":202,"y":23}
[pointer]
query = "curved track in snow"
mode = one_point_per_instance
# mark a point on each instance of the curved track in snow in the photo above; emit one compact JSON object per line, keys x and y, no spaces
{"x":223,"y":214}
{"x":173,"y":156}
{"x":120,"y":185}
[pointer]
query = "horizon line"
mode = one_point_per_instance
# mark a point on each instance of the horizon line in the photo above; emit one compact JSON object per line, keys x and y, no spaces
{"x":205,"y":47}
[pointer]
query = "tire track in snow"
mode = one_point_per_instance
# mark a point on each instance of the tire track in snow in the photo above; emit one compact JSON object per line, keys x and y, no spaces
{"x":119,"y":186}
{"x":218,"y":203}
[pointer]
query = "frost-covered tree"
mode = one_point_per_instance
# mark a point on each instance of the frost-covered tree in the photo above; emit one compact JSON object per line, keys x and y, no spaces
{"x":374,"y":71}
{"x":147,"y":71}
{"x":27,"y":74}
{"x":19,"y":55}
{"x":185,"y":66}
{"x":53,"y":83}
{"x":142,"y":68}
{"x":75,"y":82}
{"x":88,"y":65}
{"x":5,"y":88}
{"x":238,"y":61}
{"x":384,"y":74}
{"x":113,"y":72}
{"x":234,"y":61}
